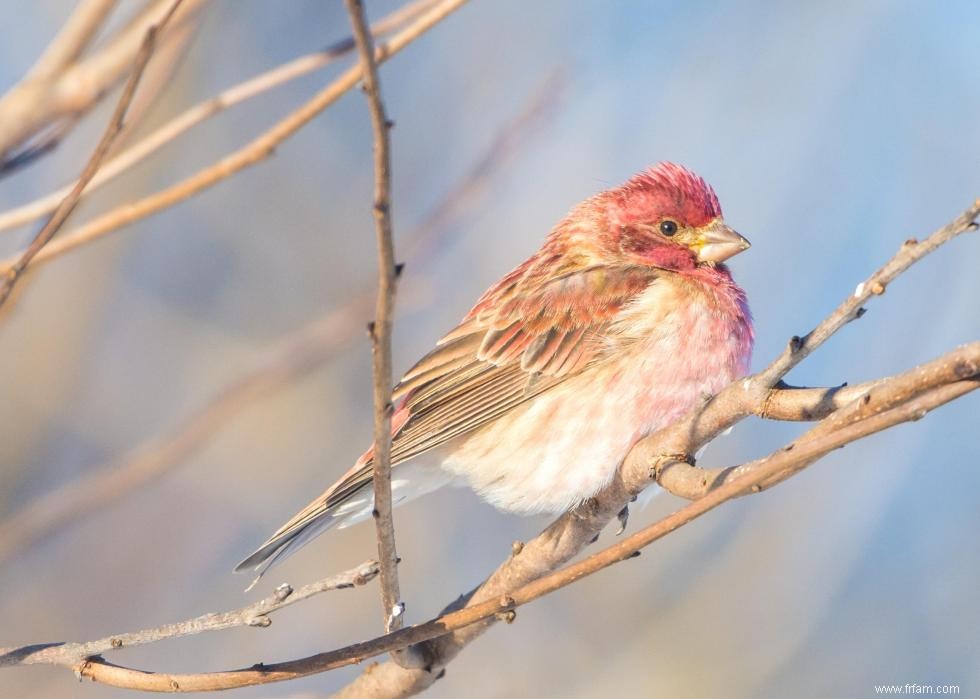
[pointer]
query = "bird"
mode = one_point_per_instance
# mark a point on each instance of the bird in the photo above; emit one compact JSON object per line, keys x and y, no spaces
{"x":620,"y":323}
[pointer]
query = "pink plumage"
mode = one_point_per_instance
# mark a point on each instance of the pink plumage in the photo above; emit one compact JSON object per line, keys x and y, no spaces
{"x":619,"y":323}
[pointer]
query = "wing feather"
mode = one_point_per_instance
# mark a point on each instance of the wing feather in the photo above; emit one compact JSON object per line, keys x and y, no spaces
{"x":531,"y":337}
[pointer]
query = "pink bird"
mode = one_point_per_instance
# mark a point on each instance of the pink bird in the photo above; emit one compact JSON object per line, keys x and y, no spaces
{"x":619,"y":324}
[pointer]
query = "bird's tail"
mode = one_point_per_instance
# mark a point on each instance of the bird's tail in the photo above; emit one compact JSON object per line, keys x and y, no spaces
{"x":346,"y":502}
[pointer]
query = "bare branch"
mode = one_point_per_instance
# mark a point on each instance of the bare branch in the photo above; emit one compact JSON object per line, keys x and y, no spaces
{"x":380,"y":330}
{"x":36,"y":103}
{"x":850,"y":309}
{"x":112,"y":130}
{"x":961,"y":366}
{"x":255,"y":614}
{"x":254,"y":152}
{"x":391,"y":680}
{"x":207,"y":109}
{"x":802,"y":404}
{"x":73,"y":39}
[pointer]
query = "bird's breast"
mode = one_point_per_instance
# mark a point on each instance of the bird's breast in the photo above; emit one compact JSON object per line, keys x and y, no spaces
{"x":673,"y":345}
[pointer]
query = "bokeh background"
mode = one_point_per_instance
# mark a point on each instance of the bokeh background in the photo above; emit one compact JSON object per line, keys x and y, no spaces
{"x":831,"y":131}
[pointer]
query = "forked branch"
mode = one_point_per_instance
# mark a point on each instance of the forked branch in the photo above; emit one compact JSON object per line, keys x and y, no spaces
{"x":13,"y":273}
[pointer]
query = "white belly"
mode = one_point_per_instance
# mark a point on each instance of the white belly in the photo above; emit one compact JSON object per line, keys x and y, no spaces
{"x":566,"y":444}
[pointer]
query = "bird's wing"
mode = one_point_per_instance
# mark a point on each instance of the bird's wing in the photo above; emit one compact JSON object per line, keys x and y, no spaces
{"x":528,"y":333}
{"x":516,"y":343}
{"x":522,"y":338}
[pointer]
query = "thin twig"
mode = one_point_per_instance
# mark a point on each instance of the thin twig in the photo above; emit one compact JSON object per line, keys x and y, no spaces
{"x":380,"y":330}
{"x":207,"y":109}
{"x":112,"y":130}
{"x":255,"y":614}
{"x":32,"y":105}
{"x":73,"y":39}
{"x":254,"y":152}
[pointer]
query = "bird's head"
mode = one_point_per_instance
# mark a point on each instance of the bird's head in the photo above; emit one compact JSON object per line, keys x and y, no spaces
{"x":665,"y":217}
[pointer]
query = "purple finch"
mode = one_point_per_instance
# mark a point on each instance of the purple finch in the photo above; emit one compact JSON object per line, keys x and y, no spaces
{"x":619,"y":324}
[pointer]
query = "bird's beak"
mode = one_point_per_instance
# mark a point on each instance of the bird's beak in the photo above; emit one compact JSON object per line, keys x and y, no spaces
{"x":717,"y":242}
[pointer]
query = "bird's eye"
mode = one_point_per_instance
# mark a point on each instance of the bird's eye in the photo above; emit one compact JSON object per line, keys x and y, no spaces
{"x":668,"y":227}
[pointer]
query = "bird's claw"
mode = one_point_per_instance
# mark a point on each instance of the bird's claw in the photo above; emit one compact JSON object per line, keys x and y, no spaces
{"x":623,"y":517}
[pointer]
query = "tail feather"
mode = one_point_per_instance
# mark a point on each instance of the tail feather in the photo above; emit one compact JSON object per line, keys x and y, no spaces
{"x":349,"y":501}
{"x":278,"y":548}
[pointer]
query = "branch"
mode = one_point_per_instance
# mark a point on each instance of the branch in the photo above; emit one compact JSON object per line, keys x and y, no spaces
{"x":207,"y":109}
{"x":391,"y":680}
{"x":254,"y":152}
{"x":256,"y":614}
{"x":380,"y":329}
{"x":44,"y":99}
{"x":286,"y":361}
{"x":64,"y":210}
{"x":955,"y":364}
{"x":799,"y":404}
{"x":961,"y":368}
{"x":73,"y":39}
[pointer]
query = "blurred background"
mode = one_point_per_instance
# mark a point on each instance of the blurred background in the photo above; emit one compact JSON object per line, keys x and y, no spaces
{"x":831,"y":132}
